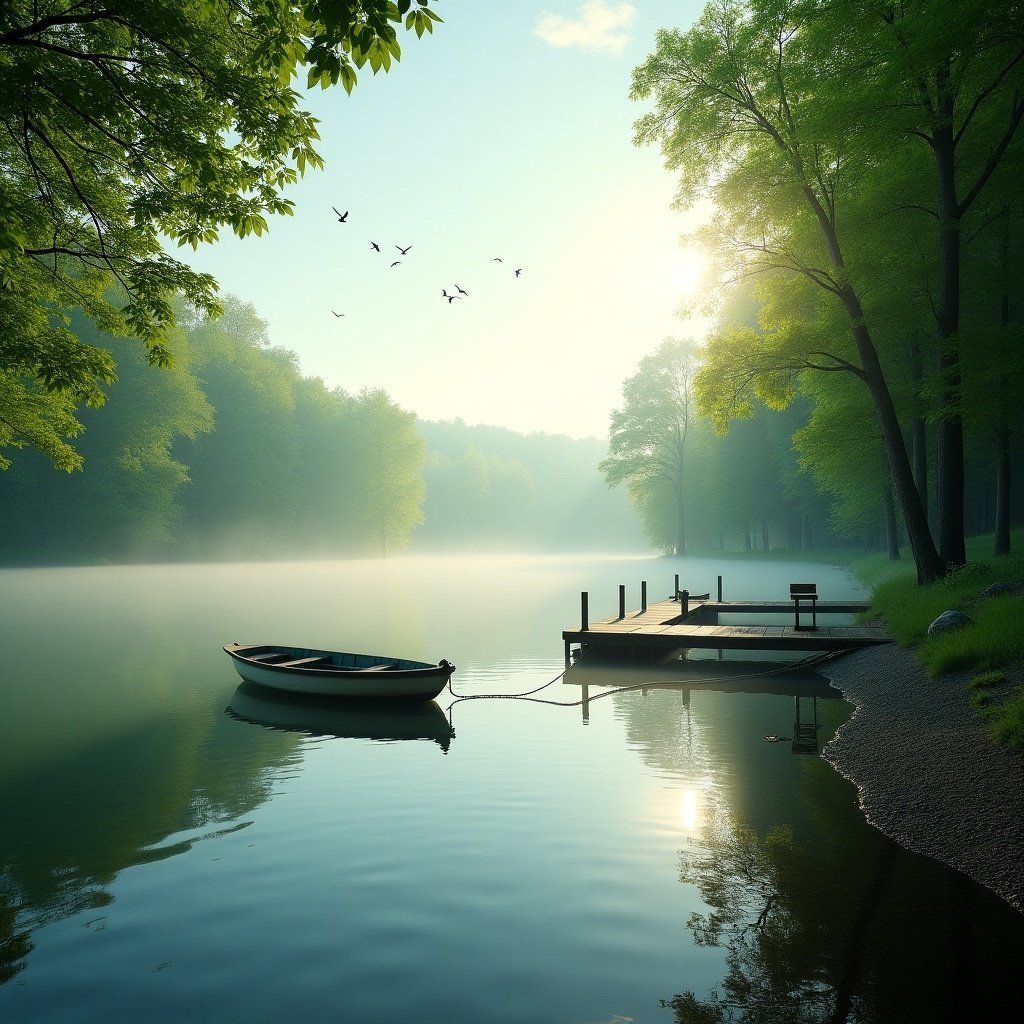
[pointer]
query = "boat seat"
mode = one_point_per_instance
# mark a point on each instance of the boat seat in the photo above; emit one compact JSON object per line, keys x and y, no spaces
{"x":379,"y":668}
{"x":304,"y":661}
{"x":269,"y":656}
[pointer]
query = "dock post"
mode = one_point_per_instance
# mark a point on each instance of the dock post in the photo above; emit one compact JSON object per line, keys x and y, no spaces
{"x":684,"y":603}
{"x":622,"y":600}
{"x":675,"y":590}
{"x":584,"y":613}
{"x":719,"y":589}
{"x":643,"y":595}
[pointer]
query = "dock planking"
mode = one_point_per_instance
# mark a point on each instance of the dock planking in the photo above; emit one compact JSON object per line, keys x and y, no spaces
{"x":659,"y":629}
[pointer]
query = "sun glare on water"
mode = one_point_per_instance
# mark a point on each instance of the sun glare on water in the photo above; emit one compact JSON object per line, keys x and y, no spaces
{"x":690,"y":810}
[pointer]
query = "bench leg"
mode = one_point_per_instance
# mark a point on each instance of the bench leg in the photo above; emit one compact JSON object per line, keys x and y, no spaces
{"x":796,"y":614}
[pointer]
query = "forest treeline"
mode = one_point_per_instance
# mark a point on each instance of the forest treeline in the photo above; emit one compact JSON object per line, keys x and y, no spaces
{"x":862,"y":166}
{"x":810,"y":474}
{"x":862,"y":162}
{"x":233,"y":453}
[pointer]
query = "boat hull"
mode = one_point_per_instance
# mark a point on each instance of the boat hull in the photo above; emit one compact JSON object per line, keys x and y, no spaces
{"x":316,"y":673}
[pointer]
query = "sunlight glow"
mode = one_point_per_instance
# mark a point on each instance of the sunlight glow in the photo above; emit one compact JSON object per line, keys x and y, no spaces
{"x":687,"y":271}
{"x":689,"y":809}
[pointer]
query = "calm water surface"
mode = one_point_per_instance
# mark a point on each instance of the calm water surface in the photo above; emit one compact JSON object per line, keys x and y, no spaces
{"x":177,"y":847}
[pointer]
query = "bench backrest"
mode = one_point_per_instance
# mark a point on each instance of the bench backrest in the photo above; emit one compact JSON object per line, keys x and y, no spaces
{"x":810,"y":589}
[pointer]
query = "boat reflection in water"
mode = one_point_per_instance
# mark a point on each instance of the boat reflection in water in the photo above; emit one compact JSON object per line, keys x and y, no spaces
{"x":386,"y":721}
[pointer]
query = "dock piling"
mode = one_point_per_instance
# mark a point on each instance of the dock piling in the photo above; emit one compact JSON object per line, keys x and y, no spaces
{"x":584,"y":612}
{"x":643,"y":595}
{"x":622,"y":600}
{"x":719,"y":589}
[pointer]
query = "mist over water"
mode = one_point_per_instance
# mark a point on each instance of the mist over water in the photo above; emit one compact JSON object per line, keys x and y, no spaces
{"x":172,"y":846}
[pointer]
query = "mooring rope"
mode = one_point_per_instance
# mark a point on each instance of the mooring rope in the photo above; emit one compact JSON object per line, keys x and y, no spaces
{"x":528,"y":695}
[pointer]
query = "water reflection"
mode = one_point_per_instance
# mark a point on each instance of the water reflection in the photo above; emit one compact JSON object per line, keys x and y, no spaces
{"x":822,"y":921}
{"x":542,"y":852}
{"x":365,"y":719}
{"x":73,"y":819}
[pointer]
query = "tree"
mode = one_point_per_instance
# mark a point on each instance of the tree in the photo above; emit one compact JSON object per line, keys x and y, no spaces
{"x":958,"y":86}
{"x":749,"y":114}
{"x":125,"y":123}
{"x":386,"y":471}
{"x":130,"y":503}
{"x":244,"y":470}
{"x":647,"y":440}
{"x":856,"y":476}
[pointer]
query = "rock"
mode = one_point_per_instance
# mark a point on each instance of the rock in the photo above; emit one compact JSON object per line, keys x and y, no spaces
{"x":950,"y":620}
{"x":1005,"y":589}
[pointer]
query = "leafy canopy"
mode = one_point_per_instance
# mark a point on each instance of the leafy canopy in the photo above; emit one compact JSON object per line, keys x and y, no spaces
{"x":122,"y":123}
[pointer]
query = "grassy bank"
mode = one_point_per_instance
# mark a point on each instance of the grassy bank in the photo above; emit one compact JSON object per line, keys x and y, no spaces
{"x":991,"y":649}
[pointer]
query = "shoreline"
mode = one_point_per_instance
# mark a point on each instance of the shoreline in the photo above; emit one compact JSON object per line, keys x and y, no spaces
{"x":928,"y":774}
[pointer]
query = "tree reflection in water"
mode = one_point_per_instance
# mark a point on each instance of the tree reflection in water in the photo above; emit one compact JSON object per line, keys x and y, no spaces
{"x":866,"y":936}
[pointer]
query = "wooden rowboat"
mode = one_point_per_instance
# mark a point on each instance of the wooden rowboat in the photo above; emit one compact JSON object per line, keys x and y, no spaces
{"x":315,"y":673}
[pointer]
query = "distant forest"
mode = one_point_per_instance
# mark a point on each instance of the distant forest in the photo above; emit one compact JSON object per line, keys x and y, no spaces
{"x":233,"y":454}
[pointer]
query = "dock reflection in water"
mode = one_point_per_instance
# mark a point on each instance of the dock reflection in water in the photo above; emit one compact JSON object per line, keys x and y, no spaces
{"x":386,"y":721}
{"x":803,"y":685}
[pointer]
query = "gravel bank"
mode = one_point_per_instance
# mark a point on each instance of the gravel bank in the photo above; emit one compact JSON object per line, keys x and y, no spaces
{"x":927,"y":772}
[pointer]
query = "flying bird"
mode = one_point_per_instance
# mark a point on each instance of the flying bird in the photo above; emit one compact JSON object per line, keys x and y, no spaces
{"x":497,"y":259}
{"x":395,"y":264}
{"x":403,"y":251}
{"x":374,"y":245}
{"x":337,"y":314}
{"x":519,"y":271}
{"x":461,"y":291}
{"x":342,"y":217}
{"x":444,"y":292}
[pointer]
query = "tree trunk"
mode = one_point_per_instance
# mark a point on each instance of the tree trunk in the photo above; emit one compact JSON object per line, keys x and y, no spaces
{"x":1002,"y":538}
{"x":680,"y":520}
{"x":950,"y":441}
{"x":1001,"y":545}
{"x":892,"y":537}
{"x":929,"y":565}
{"x":919,"y":429}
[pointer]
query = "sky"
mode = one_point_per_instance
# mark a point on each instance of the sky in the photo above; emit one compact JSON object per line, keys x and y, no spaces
{"x":501,"y":142}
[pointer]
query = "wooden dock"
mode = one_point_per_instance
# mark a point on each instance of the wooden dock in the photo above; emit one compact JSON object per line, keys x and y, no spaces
{"x":666,"y":628}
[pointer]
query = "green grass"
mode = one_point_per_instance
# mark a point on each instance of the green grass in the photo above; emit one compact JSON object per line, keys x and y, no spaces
{"x":986,"y":679}
{"x":1007,"y":722}
{"x":990,"y":647}
{"x":994,"y":640}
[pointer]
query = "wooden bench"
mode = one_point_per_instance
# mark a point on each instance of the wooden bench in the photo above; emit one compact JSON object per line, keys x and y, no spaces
{"x":318,"y":660}
{"x":804,"y":593}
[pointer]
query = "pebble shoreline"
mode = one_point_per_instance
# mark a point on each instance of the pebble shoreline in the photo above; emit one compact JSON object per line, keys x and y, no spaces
{"x":928,"y":774}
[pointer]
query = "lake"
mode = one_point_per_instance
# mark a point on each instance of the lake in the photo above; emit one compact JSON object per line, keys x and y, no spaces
{"x":175,"y":846}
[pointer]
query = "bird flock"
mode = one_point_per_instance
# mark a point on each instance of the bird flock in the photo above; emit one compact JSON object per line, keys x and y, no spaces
{"x":457,"y":295}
